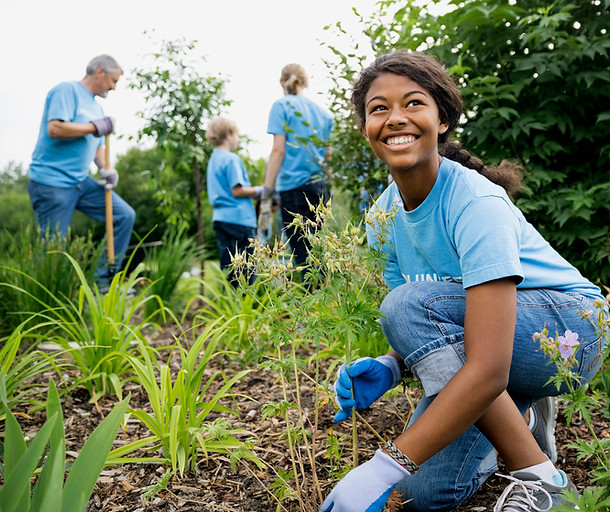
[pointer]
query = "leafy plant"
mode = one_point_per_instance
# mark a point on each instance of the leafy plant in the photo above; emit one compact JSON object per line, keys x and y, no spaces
{"x":579,"y":401}
{"x":50,"y":493}
{"x":181,"y":406}
{"x":35,"y":264}
{"x":180,"y":100}
{"x":237,"y":310}
{"x":17,"y":369}
{"x":96,"y":330}
{"x":335,"y":312}
{"x":167,"y":263}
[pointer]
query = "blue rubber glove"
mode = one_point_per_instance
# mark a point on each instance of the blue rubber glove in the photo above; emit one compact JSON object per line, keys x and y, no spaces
{"x":370,"y":378}
{"x":367,"y":487}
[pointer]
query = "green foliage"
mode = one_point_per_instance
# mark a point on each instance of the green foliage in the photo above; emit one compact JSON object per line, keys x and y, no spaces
{"x":166,"y":264}
{"x":535,"y":83}
{"x":181,"y":406}
{"x":34,"y":271}
{"x":180,"y":100}
{"x":580,"y":400}
{"x":238,"y":311}
{"x":15,"y":211}
{"x":18,"y":368}
{"x":137,"y":186}
{"x":334,"y":312}
{"x":97,"y":330}
{"x":50,"y":493}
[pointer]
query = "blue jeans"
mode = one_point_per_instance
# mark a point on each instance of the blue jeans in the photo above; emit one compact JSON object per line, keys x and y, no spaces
{"x":295,"y":202}
{"x":54,"y":208}
{"x":424,"y":324}
{"x":230,"y":239}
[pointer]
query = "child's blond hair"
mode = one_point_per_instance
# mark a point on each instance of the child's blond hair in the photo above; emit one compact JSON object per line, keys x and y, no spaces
{"x":219,"y":129}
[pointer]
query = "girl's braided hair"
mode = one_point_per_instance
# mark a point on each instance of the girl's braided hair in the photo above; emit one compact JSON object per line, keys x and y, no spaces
{"x":432,"y":76}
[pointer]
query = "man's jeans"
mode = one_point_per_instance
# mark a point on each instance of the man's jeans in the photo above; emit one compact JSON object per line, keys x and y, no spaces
{"x":424,"y":324}
{"x":54,"y":207}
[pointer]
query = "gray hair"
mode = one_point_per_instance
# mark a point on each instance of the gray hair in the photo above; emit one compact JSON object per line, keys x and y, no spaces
{"x":108,"y":63}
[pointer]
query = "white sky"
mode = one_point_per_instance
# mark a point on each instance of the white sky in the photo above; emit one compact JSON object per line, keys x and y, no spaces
{"x":45,"y":42}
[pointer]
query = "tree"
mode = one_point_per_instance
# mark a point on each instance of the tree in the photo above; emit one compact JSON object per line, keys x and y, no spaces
{"x":180,"y":100}
{"x":535,"y":76}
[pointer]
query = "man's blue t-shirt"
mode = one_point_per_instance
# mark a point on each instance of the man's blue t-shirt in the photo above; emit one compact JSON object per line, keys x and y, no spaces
{"x":224,"y":172}
{"x":468,"y":231}
{"x":63,"y":163}
{"x":307,"y":128}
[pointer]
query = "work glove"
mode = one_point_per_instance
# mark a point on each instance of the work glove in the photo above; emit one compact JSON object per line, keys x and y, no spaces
{"x":367,"y":487}
{"x":265,"y":216}
{"x":370,"y":378}
{"x":103,"y":126}
{"x":266,"y":193}
{"x":108,"y":178}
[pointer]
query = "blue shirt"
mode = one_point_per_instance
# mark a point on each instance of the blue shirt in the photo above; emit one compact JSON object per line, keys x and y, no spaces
{"x":225,"y":171}
{"x":307,"y":128}
{"x":63,"y":163}
{"x":468,"y":231}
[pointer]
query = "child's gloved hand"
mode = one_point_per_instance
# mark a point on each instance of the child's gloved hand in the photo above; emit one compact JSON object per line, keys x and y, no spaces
{"x":367,"y":487}
{"x":370,"y":378}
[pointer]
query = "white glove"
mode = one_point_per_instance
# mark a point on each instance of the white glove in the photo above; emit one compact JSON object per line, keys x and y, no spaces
{"x":367,"y":487}
{"x":108,"y":178}
{"x":266,"y":192}
{"x":265,"y":216}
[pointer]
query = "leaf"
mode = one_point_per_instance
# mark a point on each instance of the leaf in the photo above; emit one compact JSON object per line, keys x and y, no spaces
{"x":90,"y":461}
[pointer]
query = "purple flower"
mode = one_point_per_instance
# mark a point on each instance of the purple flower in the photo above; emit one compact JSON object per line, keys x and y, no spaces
{"x":567,"y":344}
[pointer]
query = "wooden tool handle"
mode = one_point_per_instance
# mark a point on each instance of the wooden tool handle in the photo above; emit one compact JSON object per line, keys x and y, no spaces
{"x":109,"y":223}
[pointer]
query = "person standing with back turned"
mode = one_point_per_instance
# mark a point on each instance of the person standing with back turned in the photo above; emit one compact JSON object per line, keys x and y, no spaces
{"x":231,"y":194}
{"x":301,"y":129}
{"x":471,"y":281}
{"x":71,"y":136}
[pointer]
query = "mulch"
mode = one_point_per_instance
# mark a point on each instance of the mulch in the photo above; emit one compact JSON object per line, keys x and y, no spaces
{"x":213,"y":486}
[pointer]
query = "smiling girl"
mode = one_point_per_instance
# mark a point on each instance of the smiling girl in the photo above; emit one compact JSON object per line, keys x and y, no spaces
{"x":471,"y":280}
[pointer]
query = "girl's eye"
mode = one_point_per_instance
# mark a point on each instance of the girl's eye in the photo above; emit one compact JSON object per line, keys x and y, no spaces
{"x":378,"y":108}
{"x":414,"y":103}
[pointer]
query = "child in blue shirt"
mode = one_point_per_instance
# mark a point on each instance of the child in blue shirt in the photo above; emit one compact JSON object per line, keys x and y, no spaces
{"x":471,"y":281}
{"x":230,"y":194}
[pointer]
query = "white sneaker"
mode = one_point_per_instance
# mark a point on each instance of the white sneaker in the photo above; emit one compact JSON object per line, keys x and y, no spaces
{"x":527,"y":492}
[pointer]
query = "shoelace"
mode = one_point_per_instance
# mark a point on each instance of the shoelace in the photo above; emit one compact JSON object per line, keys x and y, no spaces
{"x":523,"y":500}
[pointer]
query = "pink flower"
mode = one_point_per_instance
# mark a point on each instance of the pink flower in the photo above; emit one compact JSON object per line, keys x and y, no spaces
{"x":568,"y":344}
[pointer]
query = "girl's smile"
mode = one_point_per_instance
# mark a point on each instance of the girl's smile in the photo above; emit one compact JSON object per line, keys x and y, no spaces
{"x":402,"y":124}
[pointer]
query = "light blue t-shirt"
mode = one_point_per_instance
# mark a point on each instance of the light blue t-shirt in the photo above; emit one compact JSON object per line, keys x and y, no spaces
{"x":63,"y":163}
{"x":225,"y":171}
{"x":468,"y":231}
{"x":300,"y":120}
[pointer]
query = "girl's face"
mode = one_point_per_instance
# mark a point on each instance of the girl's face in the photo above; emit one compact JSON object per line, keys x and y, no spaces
{"x":402,"y":124}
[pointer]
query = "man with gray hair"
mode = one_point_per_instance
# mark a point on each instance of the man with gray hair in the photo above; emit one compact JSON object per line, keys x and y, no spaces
{"x":71,"y":137}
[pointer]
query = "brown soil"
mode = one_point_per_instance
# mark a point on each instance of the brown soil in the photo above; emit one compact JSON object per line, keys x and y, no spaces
{"x":213,"y":486}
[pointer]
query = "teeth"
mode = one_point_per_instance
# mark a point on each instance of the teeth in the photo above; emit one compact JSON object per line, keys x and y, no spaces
{"x":394,"y":141}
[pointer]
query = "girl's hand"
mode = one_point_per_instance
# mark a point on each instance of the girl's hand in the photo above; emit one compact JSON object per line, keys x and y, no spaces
{"x":367,"y":487}
{"x":370,"y":379}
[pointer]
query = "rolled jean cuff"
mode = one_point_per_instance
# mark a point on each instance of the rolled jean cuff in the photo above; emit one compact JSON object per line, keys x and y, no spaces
{"x":436,"y":368}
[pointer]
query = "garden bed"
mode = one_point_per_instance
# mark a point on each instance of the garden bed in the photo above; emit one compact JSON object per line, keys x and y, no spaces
{"x":213,"y":486}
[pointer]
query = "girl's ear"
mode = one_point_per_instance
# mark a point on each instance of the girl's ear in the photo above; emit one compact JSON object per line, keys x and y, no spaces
{"x":363,"y":132}
{"x":443,"y":127}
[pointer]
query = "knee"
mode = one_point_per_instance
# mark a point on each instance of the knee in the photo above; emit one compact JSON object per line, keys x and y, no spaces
{"x":126,"y":215}
{"x":405,"y":298}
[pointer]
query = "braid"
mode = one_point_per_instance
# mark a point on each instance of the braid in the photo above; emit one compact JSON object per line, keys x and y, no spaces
{"x":507,"y":174}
